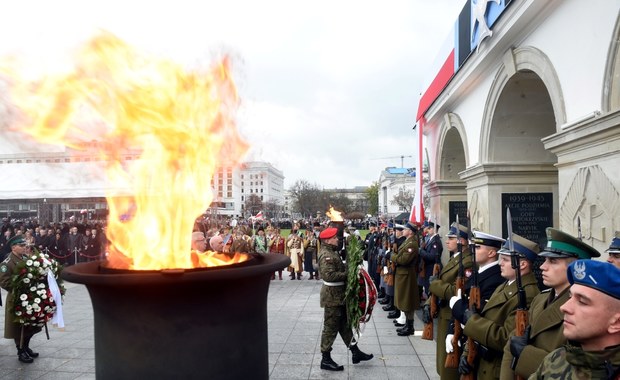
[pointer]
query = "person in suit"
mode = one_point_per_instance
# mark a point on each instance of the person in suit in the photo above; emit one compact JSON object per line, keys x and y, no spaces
{"x":430,"y":252}
{"x":491,"y":327}
{"x":523,"y":354}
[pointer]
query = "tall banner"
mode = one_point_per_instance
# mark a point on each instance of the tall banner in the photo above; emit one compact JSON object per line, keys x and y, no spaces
{"x":417,"y":209}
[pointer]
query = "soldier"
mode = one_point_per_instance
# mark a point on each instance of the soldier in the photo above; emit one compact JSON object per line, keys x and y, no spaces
{"x":295,"y":250}
{"x":591,"y":325}
{"x":444,"y":287}
{"x":406,"y":280}
{"x":429,"y":254}
{"x":524,"y":354}
{"x":311,"y":246}
{"x":399,"y":239}
{"x":334,"y":274}
{"x":614,"y":252}
{"x":12,"y":330}
{"x":491,"y":328}
{"x":370,"y":252}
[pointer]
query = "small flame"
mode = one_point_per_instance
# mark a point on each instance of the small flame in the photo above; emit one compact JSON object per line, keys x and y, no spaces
{"x":181,"y":122}
{"x":334,"y":215}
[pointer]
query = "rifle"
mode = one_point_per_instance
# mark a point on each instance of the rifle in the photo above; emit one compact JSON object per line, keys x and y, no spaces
{"x":428,"y":332}
{"x":452,"y":359}
{"x":521,"y":316}
{"x":474,"y":303}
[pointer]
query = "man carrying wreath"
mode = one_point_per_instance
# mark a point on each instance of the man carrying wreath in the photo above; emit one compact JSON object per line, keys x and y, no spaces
{"x":13,"y":330}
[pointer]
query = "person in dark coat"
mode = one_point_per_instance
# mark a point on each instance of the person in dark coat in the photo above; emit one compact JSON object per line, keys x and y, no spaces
{"x":406,"y":297}
{"x":430,"y":253}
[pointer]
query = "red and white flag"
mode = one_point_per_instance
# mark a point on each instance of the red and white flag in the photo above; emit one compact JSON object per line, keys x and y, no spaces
{"x":259,"y":215}
{"x":417,"y":209}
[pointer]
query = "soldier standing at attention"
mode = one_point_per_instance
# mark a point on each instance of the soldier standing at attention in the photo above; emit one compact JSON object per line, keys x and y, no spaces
{"x":591,"y":325}
{"x":406,"y":280}
{"x":444,"y":287}
{"x":334,"y":274}
{"x":522,"y":355}
{"x":428,"y":255}
{"x":491,"y":328}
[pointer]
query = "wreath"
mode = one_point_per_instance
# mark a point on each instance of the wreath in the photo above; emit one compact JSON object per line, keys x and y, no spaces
{"x":361,"y":293}
{"x":33,"y":300}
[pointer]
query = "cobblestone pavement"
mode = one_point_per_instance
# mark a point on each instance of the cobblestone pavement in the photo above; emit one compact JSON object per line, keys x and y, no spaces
{"x":295,"y":322}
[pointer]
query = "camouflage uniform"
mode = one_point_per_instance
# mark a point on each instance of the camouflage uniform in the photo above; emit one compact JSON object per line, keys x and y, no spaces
{"x":571,"y":362}
{"x":546,"y":335}
{"x":444,"y":287}
{"x":334,"y":272}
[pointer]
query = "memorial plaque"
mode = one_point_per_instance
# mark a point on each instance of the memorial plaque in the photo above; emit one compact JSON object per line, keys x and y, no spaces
{"x":531,"y":214}
{"x":460,"y":208}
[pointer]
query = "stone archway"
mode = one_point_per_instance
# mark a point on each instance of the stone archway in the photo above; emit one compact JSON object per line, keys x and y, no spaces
{"x":524,"y":105}
{"x":611,"y":86}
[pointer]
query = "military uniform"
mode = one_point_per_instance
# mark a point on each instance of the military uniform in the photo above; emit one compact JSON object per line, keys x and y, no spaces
{"x":491,"y":328}
{"x":406,"y":282}
{"x":334,"y":274}
{"x":573,"y":363}
{"x":444,"y":287}
{"x":429,"y":254}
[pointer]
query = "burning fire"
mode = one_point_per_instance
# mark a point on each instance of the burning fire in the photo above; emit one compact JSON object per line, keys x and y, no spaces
{"x":181,"y":121}
{"x":334,"y":215}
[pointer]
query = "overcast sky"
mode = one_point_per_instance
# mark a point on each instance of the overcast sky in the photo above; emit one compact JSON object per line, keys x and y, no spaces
{"x":327,"y":87}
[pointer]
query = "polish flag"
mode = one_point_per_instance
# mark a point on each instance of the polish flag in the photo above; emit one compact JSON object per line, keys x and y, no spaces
{"x":259,"y":215}
{"x":417,"y":209}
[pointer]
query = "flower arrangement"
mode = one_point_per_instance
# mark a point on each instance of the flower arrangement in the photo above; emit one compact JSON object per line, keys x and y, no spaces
{"x":34,"y":304}
{"x":361,"y":293}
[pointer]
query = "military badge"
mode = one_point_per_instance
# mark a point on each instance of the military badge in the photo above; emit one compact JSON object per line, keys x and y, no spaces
{"x":579,"y":270}
{"x":3,"y":269}
{"x":468,"y":272}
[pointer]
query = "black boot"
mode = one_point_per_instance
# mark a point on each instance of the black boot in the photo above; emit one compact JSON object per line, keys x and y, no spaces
{"x":31,"y":353}
{"x":299,"y":276}
{"x":381,"y":293}
{"x":23,"y":356}
{"x":359,"y":356}
{"x":390,"y":305}
{"x":384,"y":301}
{"x":408,"y":329}
{"x":292,"y":275}
{"x":394,"y":314}
{"x":329,"y":364}
{"x":396,"y":324}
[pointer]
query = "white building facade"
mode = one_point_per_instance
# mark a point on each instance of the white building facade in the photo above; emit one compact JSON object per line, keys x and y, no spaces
{"x":392,"y":182}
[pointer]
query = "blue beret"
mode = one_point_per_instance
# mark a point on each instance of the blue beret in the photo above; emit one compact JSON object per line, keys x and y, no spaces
{"x":602,"y":276}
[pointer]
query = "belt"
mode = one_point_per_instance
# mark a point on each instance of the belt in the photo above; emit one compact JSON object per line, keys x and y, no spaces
{"x":339,"y":283}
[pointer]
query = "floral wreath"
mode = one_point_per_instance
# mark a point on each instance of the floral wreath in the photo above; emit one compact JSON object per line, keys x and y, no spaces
{"x":33,"y":301}
{"x":360,"y":293}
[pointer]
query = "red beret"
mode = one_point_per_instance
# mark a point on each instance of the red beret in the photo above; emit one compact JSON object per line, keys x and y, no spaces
{"x":328,"y":233}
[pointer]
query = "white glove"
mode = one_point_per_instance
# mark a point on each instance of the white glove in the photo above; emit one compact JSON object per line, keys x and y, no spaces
{"x":385,"y":270}
{"x":449,"y":347}
{"x":455,"y":298}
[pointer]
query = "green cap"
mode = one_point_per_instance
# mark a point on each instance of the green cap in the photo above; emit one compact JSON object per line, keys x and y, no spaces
{"x":18,"y":239}
{"x":562,"y":245}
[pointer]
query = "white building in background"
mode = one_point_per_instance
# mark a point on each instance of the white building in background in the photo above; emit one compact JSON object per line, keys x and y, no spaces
{"x":392,"y":182}
{"x":233,"y":186}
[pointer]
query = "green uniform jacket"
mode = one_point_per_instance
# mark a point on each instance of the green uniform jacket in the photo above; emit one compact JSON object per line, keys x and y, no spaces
{"x":546,"y":321}
{"x":332,"y":270}
{"x":444,"y":287}
{"x":573,"y":363}
{"x":491,"y":328}
{"x":407,"y":297}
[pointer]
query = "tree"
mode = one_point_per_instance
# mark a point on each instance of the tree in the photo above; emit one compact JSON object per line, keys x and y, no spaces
{"x":372,"y":194}
{"x":403,"y":199}
{"x":273,"y":209}
{"x":253,"y":204}
{"x":307,"y":198}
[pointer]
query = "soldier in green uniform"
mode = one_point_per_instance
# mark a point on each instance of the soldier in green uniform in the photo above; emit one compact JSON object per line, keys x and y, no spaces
{"x":406,"y":294}
{"x":12,"y":330}
{"x":591,"y":325}
{"x":522,"y":355}
{"x":491,"y":328}
{"x":334,"y":274}
{"x":444,"y":287}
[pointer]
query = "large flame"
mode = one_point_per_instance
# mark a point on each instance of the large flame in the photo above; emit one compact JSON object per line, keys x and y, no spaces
{"x":182,"y":122}
{"x":334,"y":215}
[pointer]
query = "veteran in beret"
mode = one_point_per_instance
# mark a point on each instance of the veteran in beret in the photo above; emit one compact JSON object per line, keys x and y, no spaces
{"x":333,"y":271}
{"x":614,"y":252}
{"x":444,"y":288}
{"x":12,"y":330}
{"x":523,"y":354}
{"x":491,"y":328}
{"x":591,"y":325}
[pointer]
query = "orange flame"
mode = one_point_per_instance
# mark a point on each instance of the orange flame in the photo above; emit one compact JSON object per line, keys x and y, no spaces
{"x":181,"y":121}
{"x":334,"y":215}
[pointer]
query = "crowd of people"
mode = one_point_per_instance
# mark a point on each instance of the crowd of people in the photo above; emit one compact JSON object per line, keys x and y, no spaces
{"x":494,"y":321}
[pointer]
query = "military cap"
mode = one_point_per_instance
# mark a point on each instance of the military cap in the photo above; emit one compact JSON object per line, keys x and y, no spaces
{"x":399,"y":227}
{"x":457,"y":230}
{"x":599,"y":275}
{"x":411,"y":226}
{"x":16,"y":240}
{"x":562,"y":245}
{"x":425,"y":224}
{"x":482,"y":238}
{"x":433,"y":225}
{"x":328,"y":233}
{"x":614,"y":247}
{"x":522,"y":246}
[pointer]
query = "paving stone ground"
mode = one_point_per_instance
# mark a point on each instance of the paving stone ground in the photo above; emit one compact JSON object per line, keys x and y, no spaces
{"x":295,"y":322}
